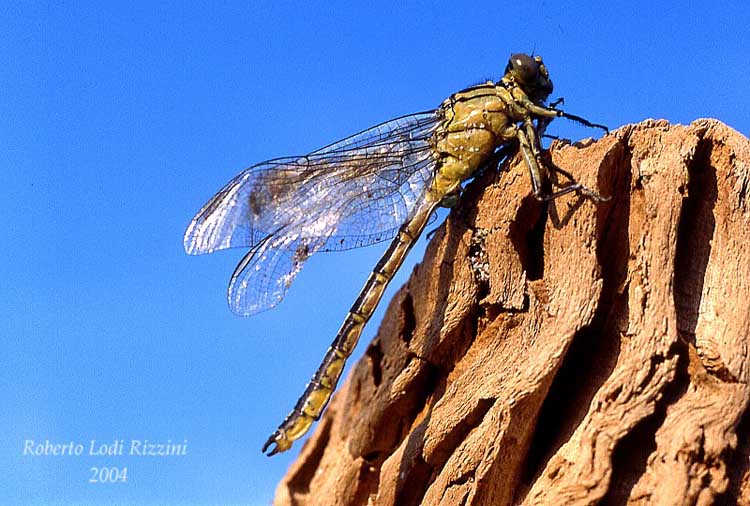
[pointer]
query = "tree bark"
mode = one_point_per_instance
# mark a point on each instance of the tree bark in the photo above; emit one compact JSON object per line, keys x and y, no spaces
{"x":562,"y":353}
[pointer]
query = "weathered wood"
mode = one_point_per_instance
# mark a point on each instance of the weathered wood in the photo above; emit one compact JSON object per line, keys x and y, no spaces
{"x":570,"y":354}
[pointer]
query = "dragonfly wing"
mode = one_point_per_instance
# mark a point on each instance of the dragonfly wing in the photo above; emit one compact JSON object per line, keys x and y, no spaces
{"x":264,"y":275}
{"x":368,"y":184}
{"x":228,"y":219}
{"x":355,"y":192}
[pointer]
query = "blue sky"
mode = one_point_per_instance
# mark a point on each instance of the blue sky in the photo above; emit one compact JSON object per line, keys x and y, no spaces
{"x":118,"y":122}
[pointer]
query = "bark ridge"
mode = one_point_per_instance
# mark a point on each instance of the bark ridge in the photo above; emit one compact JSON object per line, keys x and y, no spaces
{"x":562,"y":354}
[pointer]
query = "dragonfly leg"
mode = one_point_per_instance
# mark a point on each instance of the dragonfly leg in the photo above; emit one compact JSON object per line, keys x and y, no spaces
{"x":532,"y":156}
{"x":580,"y":189}
{"x":532,"y":163}
{"x":551,"y":112}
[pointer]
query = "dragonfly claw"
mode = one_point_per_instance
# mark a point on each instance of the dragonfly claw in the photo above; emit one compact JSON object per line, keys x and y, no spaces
{"x":280,"y":441}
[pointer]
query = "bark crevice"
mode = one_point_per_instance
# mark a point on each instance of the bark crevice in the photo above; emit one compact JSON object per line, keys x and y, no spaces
{"x":568,"y":353}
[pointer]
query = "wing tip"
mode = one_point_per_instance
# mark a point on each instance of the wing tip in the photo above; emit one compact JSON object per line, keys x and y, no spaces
{"x":240,"y":305}
{"x":196,"y":240}
{"x":237,"y":307}
{"x":189,"y":242}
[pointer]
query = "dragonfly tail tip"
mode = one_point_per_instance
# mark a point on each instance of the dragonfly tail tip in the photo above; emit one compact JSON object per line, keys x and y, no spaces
{"x":275,"y":441}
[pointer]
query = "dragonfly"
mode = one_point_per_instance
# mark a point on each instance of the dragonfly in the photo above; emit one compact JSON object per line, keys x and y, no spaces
{"x":382,"y":183}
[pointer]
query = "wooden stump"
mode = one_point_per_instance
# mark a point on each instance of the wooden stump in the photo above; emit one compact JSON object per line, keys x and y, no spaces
{"x":569,"y":353}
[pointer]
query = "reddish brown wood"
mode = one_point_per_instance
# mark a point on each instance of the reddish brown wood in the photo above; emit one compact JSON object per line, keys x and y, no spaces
{"x":576,"y":354}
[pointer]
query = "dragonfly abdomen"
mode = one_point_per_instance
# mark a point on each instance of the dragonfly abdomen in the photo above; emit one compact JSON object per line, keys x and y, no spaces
{"x":320,"y":388}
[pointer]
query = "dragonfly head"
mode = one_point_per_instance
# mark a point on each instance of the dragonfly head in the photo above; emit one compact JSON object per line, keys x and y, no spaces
{"x":530,"y":74}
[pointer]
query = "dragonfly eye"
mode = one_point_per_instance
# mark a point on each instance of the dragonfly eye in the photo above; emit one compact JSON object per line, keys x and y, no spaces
{"x":523,"y":67}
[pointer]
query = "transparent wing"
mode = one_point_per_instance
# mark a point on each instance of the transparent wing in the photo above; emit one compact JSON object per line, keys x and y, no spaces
{"x":263,"y":276}
{"x":352,"y":193}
